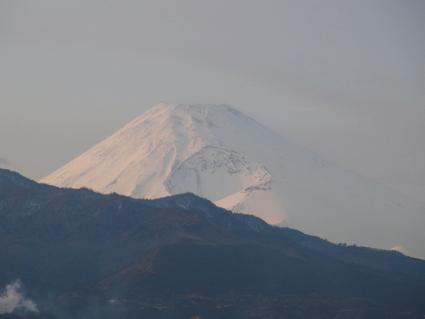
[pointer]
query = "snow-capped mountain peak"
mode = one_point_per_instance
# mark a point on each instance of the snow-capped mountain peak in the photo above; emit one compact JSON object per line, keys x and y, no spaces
{"x":173,"y":148}
{"x":218,"y":152}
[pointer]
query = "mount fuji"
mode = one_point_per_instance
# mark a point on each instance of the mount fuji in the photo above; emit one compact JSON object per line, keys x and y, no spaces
{"x":219,"y":153}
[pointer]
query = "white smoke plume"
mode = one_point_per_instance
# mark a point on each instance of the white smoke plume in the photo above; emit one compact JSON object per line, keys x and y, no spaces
{"x":13,"y":299}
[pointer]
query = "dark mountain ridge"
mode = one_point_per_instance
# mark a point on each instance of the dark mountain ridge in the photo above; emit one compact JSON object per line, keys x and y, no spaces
{"x":86,"y":255}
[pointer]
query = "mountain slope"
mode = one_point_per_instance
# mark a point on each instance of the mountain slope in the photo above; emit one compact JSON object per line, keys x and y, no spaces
{"x":85,"y":255}
{"x":219,"y":153}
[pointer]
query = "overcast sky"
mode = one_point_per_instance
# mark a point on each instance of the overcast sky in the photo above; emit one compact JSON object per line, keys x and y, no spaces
{"x":346,"y":78}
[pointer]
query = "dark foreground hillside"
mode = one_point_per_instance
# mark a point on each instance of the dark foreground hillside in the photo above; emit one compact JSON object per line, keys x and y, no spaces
{"x":79,"y":254}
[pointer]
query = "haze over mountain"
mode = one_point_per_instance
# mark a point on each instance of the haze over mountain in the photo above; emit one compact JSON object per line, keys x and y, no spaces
{"x":4,"y":163}
{"x":221,"y":154}
{"x":80,"y":254}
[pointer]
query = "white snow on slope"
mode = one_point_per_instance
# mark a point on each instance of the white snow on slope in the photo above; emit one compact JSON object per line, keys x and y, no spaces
{"x":219,"y":153}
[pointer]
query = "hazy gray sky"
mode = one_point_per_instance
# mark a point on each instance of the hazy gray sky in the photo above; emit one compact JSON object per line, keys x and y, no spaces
{"x":346,"y":78}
